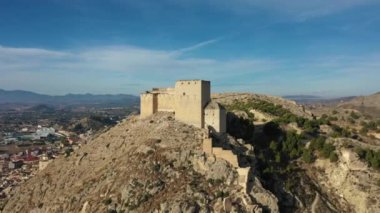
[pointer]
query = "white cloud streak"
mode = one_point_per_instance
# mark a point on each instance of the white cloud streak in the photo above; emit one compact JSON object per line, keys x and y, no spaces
{"x":102,"y":64}
{"x":198,"y":46}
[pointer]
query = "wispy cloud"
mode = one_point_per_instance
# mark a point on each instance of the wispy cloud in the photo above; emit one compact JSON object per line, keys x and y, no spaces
{"x":129,"y":69}
{"x":106,"y":68}
{"x":198,"y":45}
{"x":28,"y":52}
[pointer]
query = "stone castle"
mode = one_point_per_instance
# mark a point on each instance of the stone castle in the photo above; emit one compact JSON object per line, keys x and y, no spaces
{"x":190,"y":100}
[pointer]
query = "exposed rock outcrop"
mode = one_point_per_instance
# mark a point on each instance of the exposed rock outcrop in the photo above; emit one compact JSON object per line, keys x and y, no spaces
{"x":351,"y":181}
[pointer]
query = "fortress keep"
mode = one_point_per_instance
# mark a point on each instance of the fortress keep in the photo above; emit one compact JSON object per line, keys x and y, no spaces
{"x":190,"y":100}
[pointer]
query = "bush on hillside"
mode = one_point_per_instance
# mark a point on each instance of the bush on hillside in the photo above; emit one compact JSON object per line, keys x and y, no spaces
{"x":308,"y":156}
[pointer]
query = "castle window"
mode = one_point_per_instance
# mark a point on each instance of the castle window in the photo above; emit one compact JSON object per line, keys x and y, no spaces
{"x":184,"y":94}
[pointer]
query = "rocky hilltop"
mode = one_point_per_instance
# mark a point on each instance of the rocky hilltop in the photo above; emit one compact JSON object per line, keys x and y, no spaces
{"x":150,"y":165}
{"x":299,"y":163}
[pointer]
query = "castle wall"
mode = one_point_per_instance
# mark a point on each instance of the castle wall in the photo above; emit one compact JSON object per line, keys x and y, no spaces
{"x":207,"y":145}
{"x":148,"y":104}
{"x":216,"y":119}
{"x":243,"y":177}
{"x":165,"y":102}
{"x":191,"y":98}
{"x":227,"y":155}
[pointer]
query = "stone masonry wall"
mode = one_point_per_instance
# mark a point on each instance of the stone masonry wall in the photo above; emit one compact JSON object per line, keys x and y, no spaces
{"x":230,"y":157}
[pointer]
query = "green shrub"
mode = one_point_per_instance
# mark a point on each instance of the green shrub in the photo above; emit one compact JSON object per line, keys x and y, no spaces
{"x":351,"y":121}
{"x":363,"y":131}
{"x":332,"y":118}
{"x":274,"y":146}
{"x":278,"y":157}
{"x":311,"y":126}
{"x":327,"y":150}
{"x":317,"y":144}
{"x":292,"y":145}
{"x":307,"y":156}
{"x":370,"y":156}
{"x":333,"y":157}
{"x":354,"y":115}
{"x":339,"y":131}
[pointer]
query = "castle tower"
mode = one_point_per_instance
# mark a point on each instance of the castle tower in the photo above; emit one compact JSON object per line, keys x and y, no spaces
{"x":191,"y":97}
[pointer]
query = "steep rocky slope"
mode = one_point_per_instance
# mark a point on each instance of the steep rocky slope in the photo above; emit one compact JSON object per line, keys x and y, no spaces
{"x":347,"y":185}
{"x":151,"y":165}
{"x":349,"y":181}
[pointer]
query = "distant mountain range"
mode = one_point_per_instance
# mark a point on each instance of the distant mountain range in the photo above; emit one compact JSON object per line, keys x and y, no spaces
{"x":302,"y":98}
{"x":309,"y":99}
{"x":26,"y":97}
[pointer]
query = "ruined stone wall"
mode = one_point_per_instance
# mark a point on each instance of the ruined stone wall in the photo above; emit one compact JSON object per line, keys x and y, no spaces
{"x":243,"y":176}
{"x":216,"y":119}
{"x":207,"y":145}
{"x":227,"y":155}
{"x":191,"y":98}
{"x":148,"y":105}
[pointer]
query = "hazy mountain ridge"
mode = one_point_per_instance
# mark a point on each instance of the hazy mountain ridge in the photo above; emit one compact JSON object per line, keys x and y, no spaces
{"x":368,"y":101}
{"x":26,"y":97}
{"x":369,"y":105}
{"x":311,"y":99}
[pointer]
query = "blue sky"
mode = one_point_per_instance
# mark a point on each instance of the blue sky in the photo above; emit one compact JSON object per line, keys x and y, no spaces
{"x":319,"y":47}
